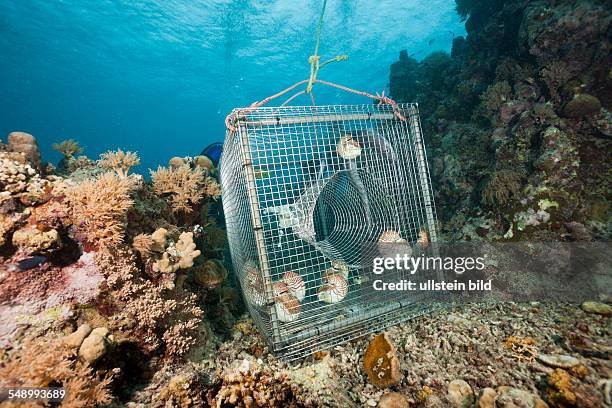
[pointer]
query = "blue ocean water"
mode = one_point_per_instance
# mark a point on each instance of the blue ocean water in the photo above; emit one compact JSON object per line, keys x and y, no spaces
{"x":159,"y":77}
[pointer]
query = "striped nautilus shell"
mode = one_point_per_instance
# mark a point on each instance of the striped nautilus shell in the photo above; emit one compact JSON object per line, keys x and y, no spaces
{"x":348,"y":148}
{"x":278,"y":288}
{"x":391,"y":243}
{"x":390,"y":236}
{"x":334,"y":289}
{"x":254,"y":285}
{"x":295,"y":285}
{"x":287,"y":307}
{"x":423,"y":240}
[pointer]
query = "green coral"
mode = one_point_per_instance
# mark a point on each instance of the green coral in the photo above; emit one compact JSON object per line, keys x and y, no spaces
{"x":546,"y":203}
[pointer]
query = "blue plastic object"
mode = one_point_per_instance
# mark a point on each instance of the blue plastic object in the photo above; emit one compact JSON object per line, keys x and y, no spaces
{"x":213,"y":152}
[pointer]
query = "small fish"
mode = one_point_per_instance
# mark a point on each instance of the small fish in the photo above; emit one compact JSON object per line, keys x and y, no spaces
{"x":26,"y":264}
{"x":433,"y":40}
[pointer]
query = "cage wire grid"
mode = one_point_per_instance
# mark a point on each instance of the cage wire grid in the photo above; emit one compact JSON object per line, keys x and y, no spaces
{"x":317,"y":191}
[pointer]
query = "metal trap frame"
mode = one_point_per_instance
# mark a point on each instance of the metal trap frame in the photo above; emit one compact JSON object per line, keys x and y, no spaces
{"x":311,"y":194}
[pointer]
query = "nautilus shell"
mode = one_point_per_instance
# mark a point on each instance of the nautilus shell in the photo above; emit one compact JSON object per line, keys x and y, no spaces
{"x":295,"y":285}
{"x":423,"y":240}
{"x":278,"y":288}
{"x":390,"y":243}
{"x":287,"y":307}
{"x":334,"y":289}
{"x":338,"y":267}
{"x":390,"y":237}
{"x":254,"y":286}
{"x":348,"y":148}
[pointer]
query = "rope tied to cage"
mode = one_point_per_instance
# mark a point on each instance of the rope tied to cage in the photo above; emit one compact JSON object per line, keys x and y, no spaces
{"x":381,"y":98}
{"x":315,"y":65}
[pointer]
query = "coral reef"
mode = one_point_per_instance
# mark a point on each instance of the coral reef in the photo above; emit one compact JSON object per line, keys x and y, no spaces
{"x":68,"y":148}
{"x":185,"y":187}
{"x":99,"y":208}
{"x":117,"y":288}
{"x":95,"y":247}
{"x":119,"y":161}
{"x":515,"y":114}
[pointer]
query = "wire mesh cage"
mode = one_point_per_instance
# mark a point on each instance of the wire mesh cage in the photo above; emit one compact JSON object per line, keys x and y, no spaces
{"x":311,"y":195}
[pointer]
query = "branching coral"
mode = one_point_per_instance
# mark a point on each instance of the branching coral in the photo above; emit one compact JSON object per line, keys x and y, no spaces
{"x":119,"y":161}
{"x":99,"y":208}
{"x":185,"y":187}
{"x":150,"y":313}
{"x":522,"y":348}
{"x":68,"y":148}
{"x":46,"y":363}
{"x":153,"y":314}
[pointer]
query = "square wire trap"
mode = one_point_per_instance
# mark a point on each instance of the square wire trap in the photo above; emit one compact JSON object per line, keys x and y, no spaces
{"x":311,"y":195}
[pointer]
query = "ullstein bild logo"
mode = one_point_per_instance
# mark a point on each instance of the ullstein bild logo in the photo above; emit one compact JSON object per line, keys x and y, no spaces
{"x":432,"y":285}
